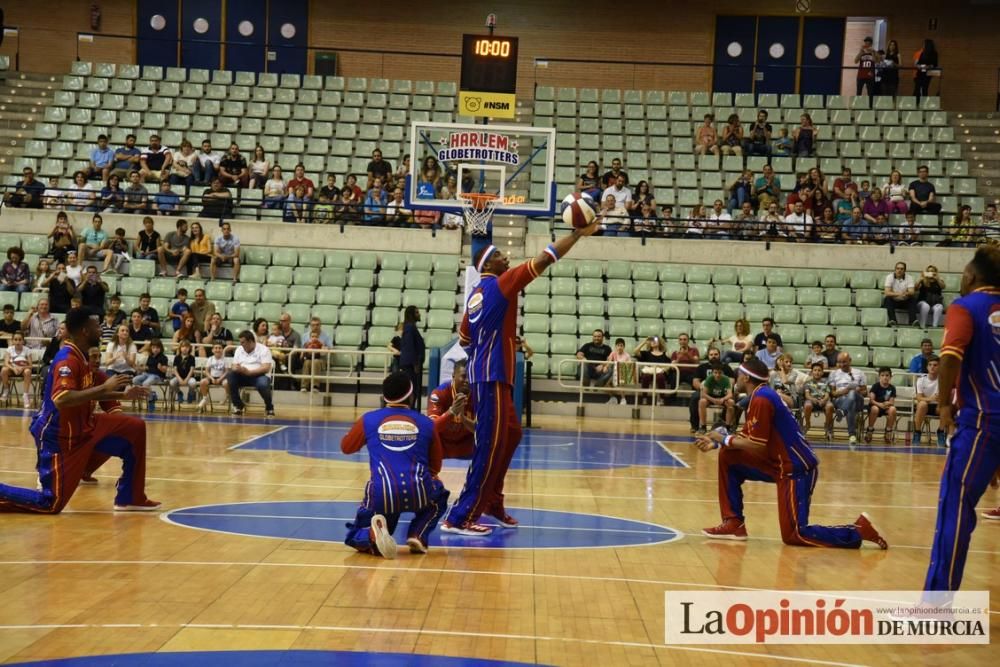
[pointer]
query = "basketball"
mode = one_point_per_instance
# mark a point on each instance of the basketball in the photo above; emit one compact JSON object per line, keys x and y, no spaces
{"x":578,"y":210}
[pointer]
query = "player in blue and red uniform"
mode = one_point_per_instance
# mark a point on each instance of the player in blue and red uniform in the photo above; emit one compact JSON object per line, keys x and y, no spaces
{"x":970,"y":358}
{"x":451,"y":410}
{"x":771,"y":448}
{"x":71,"y":438}
{"x":404,"y":455}
{"x":488,"y":330}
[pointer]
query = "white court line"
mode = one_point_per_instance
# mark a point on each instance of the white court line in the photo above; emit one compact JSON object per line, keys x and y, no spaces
{"x":677,"y":458}
{"x":277,"y":429}
{"x":450,"y":633}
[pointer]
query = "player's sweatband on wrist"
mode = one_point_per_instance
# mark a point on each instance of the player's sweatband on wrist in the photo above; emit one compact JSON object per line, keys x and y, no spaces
{"x":728,"y":440}
{"x":550,"y":250}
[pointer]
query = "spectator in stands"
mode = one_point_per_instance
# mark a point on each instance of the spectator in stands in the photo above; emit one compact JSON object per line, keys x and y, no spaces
{"x":719,"y":221}
{"x":619,"y":361}
{"x":93,"y":239}
{"x":922,"y":194}
{"x":115,"y":254}
{"x":767,"y":329}
{"x":80,"y":196}
{"x":645,"y":224}
{"x":28,"y":192}
{"x":991,"y":222}
{"x":403,"y":169}
{"x":700,"y":375}
{"x":924,"y":60}
{"x":758,"y":141}
{"x":330,"y":190}
{"x":378,"y":168}
{"x":642,"y":196}
{"x":715,"y":391}
{"x":617,"y":189}
{"x":182,"y":169}
{"x":652,"y":351}
{"x":43,"y":274}
{"x":179,"y":308}
{"x":226,"y":252}
{"x":865,"y":193}
{"x":155,"y":372}
{"x":207,"y":167}
{"x":696,"y":221}
{"x":201,"y":250}
{"x":187,"y":331}
{"x":53,"y":195}
{"x":855,"y":229}
{"x":166,"y":201}
{"x":767,"y":188}
{"x":930,"y":298}
{"x":202,"y":309}
{"x":184,"y":373}
{"x":612,"y":216}
{"x":804,"y":137}
{"x":397,"y":215}
{"x":119,"y":355}
{"x":771,"y":223}
{"x":15,"y":276}
{"x":732,"y":136}
{"x":896,"y":194}
{"x":155,"y":161}
{"x":215,"y":374}
{"x":127,"y":158}
{"x":830,"y":350}
{"x":8,"y":325}
{"x":875,"y":206}
{"x":787,"y":381}
{"x":147,"y":243}
{"x":314,"y":365}
{"x":798,"y":223}
{"x":299,"y":179}
{"x":889,"y":70}
{"x":252,"y":365}
{"x":925,"y":397}
{"x":745,"y":224}
{"x":275,"y":189}
{"x":589,"y":182}
{"x":801,"y":192}
{"x":899,"y":294}
{"x":39,"y":324}
{"x":770,"y":352}
{"x":597,"y":351}
{"x":739,"y":342}
{"x":111,"y":198}
{"x":375,"y":203}
{"x":866,"y":60}
{"x":827,"y":227}
{"x":260,"y":167}
{"x":848,"y":391}
{"x":430,"y":174}
{"x":820,"y":200}
{"x":93,"y":291}
{"x":880,"y":232}
{"x":909,"y":232}
{"x":215,"y":332}
{"x":882,"y":397}
{"x":175,"y":249}
{"x":817,"y":181}
{"x":918,"y":364}
{"x":783,"y":145}
{"x":611,"y":178}
{"x":962,"y":230}
{"x":102,"y":159}
{"x":115,"y":308}
{"x":61,"y":290}
{"x":62,"y":238}
{"x":815,"y":355}
{"x":216,"y":201}
{"x":706,"y":139}
{"x":297,"y":206}
{"x":816,"y":398}
{"x":843,"y":184}
{"x":346,"y":209}
{"x":148,"y":316}
{"x":74,"y":269}
{"x":233,"y":169}
{"x":741,"y":190}
{"x":686,"y":356}
{"x":136,"y":195}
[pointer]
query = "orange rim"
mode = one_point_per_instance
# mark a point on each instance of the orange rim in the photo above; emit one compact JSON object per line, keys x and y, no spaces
{"x":479,"y":200}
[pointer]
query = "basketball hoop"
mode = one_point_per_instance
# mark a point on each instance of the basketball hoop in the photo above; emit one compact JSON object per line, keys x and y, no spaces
{"x":478,"y":209}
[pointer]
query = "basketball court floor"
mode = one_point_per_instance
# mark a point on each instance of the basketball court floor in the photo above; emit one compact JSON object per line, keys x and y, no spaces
{"x":247,"y":556}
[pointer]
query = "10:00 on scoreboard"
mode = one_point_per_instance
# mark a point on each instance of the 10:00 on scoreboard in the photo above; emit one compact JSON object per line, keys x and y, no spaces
{"x":489,"y":63}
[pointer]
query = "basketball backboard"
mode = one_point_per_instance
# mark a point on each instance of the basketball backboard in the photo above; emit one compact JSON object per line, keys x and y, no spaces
{"x":515,"y":162}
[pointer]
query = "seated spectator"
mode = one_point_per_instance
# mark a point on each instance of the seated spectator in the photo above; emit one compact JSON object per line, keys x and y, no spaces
{"x":732,"y":137}
{"x":771,"y":223}
{"x":962,"y":230}
{"x":896,"y":194}
{"x":865,"y":192}
{"x":841,"y":184}
{"x":589,"y":182}
{"x":783,"y":145}
{"x":739,"y":342}
{"x":15,"y":276}
{"x":827,"y":227}
{"x":700,"y":375}
{"x":175,"y":249}
{"x":770,"y":352}
{"x":144,"y":321}
{"x":719,"y":221}
{"x":115,"y":253}
{"x":313,"y":364}
{"x":378,"y":168}
{"x":787,"y":381}
{"x":102,"y":160}
{"x":108,"y":328}
{"x":767,"y":329}
{"x":74,"y":269}
{"x":261,"y":330}
{"x":611,"y":216}
{"x":922,"y":194}
{"x":119,"y":355}
{"x":330,"y":190}
{"x":706,"y":139}
{"x":910,"y":231}
{"x":182,"y":169}
{"x":299,"y":179}
{"x":403,"y":170}
{"x":670,"y":225}
{"x":115,"y":308}
{"x":767,"y":188}
{"x":207,"y":167}
{"x":136,"y":195}
{"x":642,"y":195}
{"x":620,"y":362}
{"x":597,"y":351}
{"x":166,"y":201}
{"x":918,"y":364}
{"x":92,"y":291}
{"x":899,"y":294}
{"x":820,"y":200}
{"x":111,"y":198}
{"x":855,"y":230}
{"x":610,"y":178}
{"x":187,"y":331}
{"x":991,"y":222}
{"x":346,"y":209}
{"x":81,"y":196}
{"x":201,"y":250}
{"x":801,"y":192}
{"x":925,"y":397}
{"x":8,"y":325}
{"x":687,"y":356}
{"x":216,"y":201}
{"x":233,"y":169}
{"x":297,"y":206}
{"x":817,"y":181}
{"x":155,"y":161}
{"x":275,"y":189}
{"x":43,"y":274}
{"x":127,"y":158}
{"x":741,"y":190}
{"x":260,"y":168}
{"x":816,"y":397}
{"x":816,"y":355}
{"x":184,"y":373}
{"x":804,"y":137}
{"x":397,"y":215}
{"x":696,"y":221}
{"x":875,"y":206}
{"x":758,"y":141}
{"x":93,"y":239}
{"x":17,"y":366}
{"x":848,"y":389}
{"x":882,"y":400}
{"x":216,"y":333}
{"x":216,"y":369}
{"x":27,"y":193}
{"x":40,"y":325}
{"x":155,"y":372}
{"x":645,"y":223}
{"x":375,"y":203}
{"x":618,"y":190}
{"x":842,"y":207}
{"x":652,"y":351}
{"x":251,"y":367}
{"x":798,"y":223}
{"x":930,"y":298}
{"x":179,"y":308}
{"x":830,"y":350}
{"x":53,"y":197}
{"x":322,"y":211}
{"x":715,"y":391}
{"x":881,"y":231}
{"x":147,"y":243}
{"x":226,"y":252}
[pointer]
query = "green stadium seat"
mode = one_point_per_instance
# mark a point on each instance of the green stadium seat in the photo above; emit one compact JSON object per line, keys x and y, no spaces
{"x":330,"y":295}
{"x":814,"y":315}
{"x":302,"y":294}
{"x":830,"y":278}
{"x":881,"y":337}
{"x":675,"y":309}
{"x":727,"y":294}
{"x":810,"y":296}
{"x":384,"y":296}
{"x":252,"y":274}
{"x":842,"y":315}
{"x":755,"y":294}
{"x":648,"y":310}
{"x":850,"y":335}
{"x":703,"y":311}
{"x":671,"y":273}
{"x":874,"y":317}
{"x":137,"y":268}
{"x":352,"y":316}
{"x":786,"y":313}
{"x":240,"y":311}
{"x":791,"y":333}
{"x":699,"y":274}
{"x":725,"y":275}
{"x":730,"y":312}
{"x":838,"y":297}
{"x":868,"y":298}
{"x":887,"y":356}
{"x":698,"y":293}
{"x":782,"y":296}
{"x":751,"y":276}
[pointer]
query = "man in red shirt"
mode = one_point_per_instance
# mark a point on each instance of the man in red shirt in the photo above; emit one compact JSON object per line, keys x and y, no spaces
{"x":451,"y":411}
{"x":300,"y":179}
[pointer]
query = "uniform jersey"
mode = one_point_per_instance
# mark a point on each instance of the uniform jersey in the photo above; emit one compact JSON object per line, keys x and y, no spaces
{"x":449,"y":429}
{"x":69,"y":371}
{"x":770,"y":423}
{"x":490,"y":324}
{"x":972,"y":334}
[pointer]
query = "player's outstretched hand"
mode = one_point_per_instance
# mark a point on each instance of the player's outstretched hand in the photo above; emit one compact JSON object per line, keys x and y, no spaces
{"x":946,"y":418}
{"x":134,"y":392}
{"x":591,"y":229}
{"x":705,"y":444}
{"x":115,"y":383}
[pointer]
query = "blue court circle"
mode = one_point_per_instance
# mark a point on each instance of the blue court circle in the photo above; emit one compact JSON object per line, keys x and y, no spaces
{"x":269,"y":659}
{"x":324,"y":521}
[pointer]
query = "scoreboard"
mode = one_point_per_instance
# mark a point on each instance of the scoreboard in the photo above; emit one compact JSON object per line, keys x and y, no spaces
{"x":489,"y":76}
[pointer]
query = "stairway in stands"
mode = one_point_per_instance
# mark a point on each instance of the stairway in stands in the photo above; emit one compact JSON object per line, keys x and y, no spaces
{"x":23,"y":98}
{"x":980,"y":134}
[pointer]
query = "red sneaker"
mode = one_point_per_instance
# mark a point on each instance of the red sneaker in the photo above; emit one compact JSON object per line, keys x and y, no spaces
{"x":730,"y":529}
{"x":467,"y":528}
{"x":381,"y":539}
{"x":146,"y":505}
{"x":869,"y":532}
{"x":992,"y":515}
{"x":417,"y":545}
{"x":500,"y":514}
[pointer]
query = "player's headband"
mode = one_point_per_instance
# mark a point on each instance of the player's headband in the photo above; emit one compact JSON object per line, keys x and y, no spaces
{"x":750,"y":374}
{"x":485,"y":258}
{"x":400,"y":399}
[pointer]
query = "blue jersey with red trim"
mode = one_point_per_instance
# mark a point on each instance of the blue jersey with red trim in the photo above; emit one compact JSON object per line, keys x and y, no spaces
{"x":51,"y":426}
{"x":490,"y":324}
{"x":769,"y":422}
{"x":972,"y":334}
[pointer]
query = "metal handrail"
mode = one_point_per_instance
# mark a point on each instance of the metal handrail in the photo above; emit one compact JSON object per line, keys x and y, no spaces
{"x":575,"y":382}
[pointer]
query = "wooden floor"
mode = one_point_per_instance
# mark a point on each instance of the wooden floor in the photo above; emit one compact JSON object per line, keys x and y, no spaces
{"x":89,"y":582}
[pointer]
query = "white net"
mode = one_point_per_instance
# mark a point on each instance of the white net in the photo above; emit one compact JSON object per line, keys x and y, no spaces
{"x":478,"y":210}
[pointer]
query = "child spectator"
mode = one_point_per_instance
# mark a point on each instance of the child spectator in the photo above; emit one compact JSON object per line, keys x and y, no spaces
{"x":322,"y":212}
{"x":276,"y":338}
{"x":215,"y":374}
{"x":8,"y":325}
{"x":53,"y":196}
{"x":706,"y":139}
{"x":817,"y":398}
{"x":866,"y":190}
{"x":770,"y":353}
{"x":622,"y":367}
{"x":111,"y":198}
{"x":783,"y":144}
{"x":116,"y":253}
{"x":816,"y":355}
{"x":184,"y":373}
{"x":179,"y":308}
{"x":108,"y":328}
{"x":43,"y":274}
{"x":17,"y":364}
{"x":883,"y":402}
{"x":156,"y":370}
{"x":309,"y":365}
{"x":716,"y":390}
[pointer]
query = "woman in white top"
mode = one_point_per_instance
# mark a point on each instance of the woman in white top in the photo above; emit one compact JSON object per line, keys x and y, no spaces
{"x":81,"y":196}
{"x":260,"y":167}
{"x":43,"y":274}
{"x":119,"y":357}
{"x":182,"y":168}
{"x":274,"y":190}
{"x":74,"y":269}
{"x":739,"y":342}
{"x":896,"y":193}
{"x":17,"y":364}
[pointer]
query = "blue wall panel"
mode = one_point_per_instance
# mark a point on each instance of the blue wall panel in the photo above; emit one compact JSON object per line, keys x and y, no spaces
{"x":734,"y":35}
{"x":201,"y":48}
{"x":822,"y":55}
{"x":246,"y":52}
{"x":288,"y":32}
{"x":157,"y":45}
{"x":777,"y":53}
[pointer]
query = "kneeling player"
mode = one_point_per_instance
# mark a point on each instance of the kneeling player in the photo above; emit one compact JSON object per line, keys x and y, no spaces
{"x":404,"y":455}
{"x":771,"y":448}
{"x":453,"y":419}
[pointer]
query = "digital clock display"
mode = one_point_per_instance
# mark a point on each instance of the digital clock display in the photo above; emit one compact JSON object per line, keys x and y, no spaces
{"x":489,"y":63}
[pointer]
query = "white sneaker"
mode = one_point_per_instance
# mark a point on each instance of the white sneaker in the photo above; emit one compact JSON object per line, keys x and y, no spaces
{"x":623,"y":401}
{"x":27,"y":403}
{"x":4,"y":395}
{"x":853,"y":440}
{"x":382,"y":538}
{"x":304,"y":390}
{"x":612,"y":401}
{"x":202,"y":403}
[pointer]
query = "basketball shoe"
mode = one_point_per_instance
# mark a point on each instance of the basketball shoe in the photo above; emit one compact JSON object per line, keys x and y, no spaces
{"x":729,"y":529}
{"x":869,"y":532}
{"x":381,"y":539}
{"x":992,"y":515}
{"x":467,"y":528}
